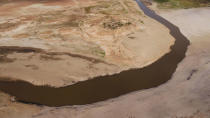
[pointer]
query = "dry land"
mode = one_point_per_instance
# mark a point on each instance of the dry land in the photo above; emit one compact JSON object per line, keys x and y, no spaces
{"x":70,"y":40}
{"x":186,"y":95}
{"x":182,"y":3}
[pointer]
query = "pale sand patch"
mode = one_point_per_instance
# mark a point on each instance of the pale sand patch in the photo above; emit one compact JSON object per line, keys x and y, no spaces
{"x":149,"y":44}
{"x":192,"y":22}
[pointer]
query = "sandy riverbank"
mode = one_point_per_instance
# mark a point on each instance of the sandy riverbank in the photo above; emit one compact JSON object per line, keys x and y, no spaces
{"x":83,"y":39}
{"x":186,"y":95}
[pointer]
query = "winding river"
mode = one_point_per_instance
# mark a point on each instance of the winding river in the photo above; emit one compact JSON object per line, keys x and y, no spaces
{"x":106,"y":87}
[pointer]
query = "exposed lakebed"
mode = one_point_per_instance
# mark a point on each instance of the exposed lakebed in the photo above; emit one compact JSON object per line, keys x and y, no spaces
{"x":106,"y":87}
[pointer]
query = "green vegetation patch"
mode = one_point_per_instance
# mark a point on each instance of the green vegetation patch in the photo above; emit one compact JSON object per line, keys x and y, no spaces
{"x":182,"y":3}
{"x":106,"y":8}
{"x":98,"y":51}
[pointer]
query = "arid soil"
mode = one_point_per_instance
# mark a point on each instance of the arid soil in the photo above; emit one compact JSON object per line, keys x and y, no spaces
{"x":76,"y":39}
{"x":186,"y":95}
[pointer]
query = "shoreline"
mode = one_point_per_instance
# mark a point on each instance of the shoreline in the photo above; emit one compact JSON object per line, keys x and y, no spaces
{"x":177,"y":98}
{"x":128,"y":47}
{"x":97,"y":89}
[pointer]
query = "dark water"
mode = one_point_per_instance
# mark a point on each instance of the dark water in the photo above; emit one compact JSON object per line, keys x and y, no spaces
{"x":106,"y":87}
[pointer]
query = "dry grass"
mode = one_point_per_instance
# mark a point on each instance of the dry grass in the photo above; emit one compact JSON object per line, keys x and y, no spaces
{"x":8,"y":26}
{"x":182,"y":3}
{"x":115,"y":24}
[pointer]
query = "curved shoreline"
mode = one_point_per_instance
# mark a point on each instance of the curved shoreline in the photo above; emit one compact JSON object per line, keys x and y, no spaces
{"x":102,"y":88}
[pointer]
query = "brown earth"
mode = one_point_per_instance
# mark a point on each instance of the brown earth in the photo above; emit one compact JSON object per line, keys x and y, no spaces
{"x":186,"y":95}
{"x":80,"y":39}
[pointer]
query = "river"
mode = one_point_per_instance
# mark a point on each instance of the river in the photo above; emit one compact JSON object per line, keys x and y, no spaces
{"x":105,"y":87}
